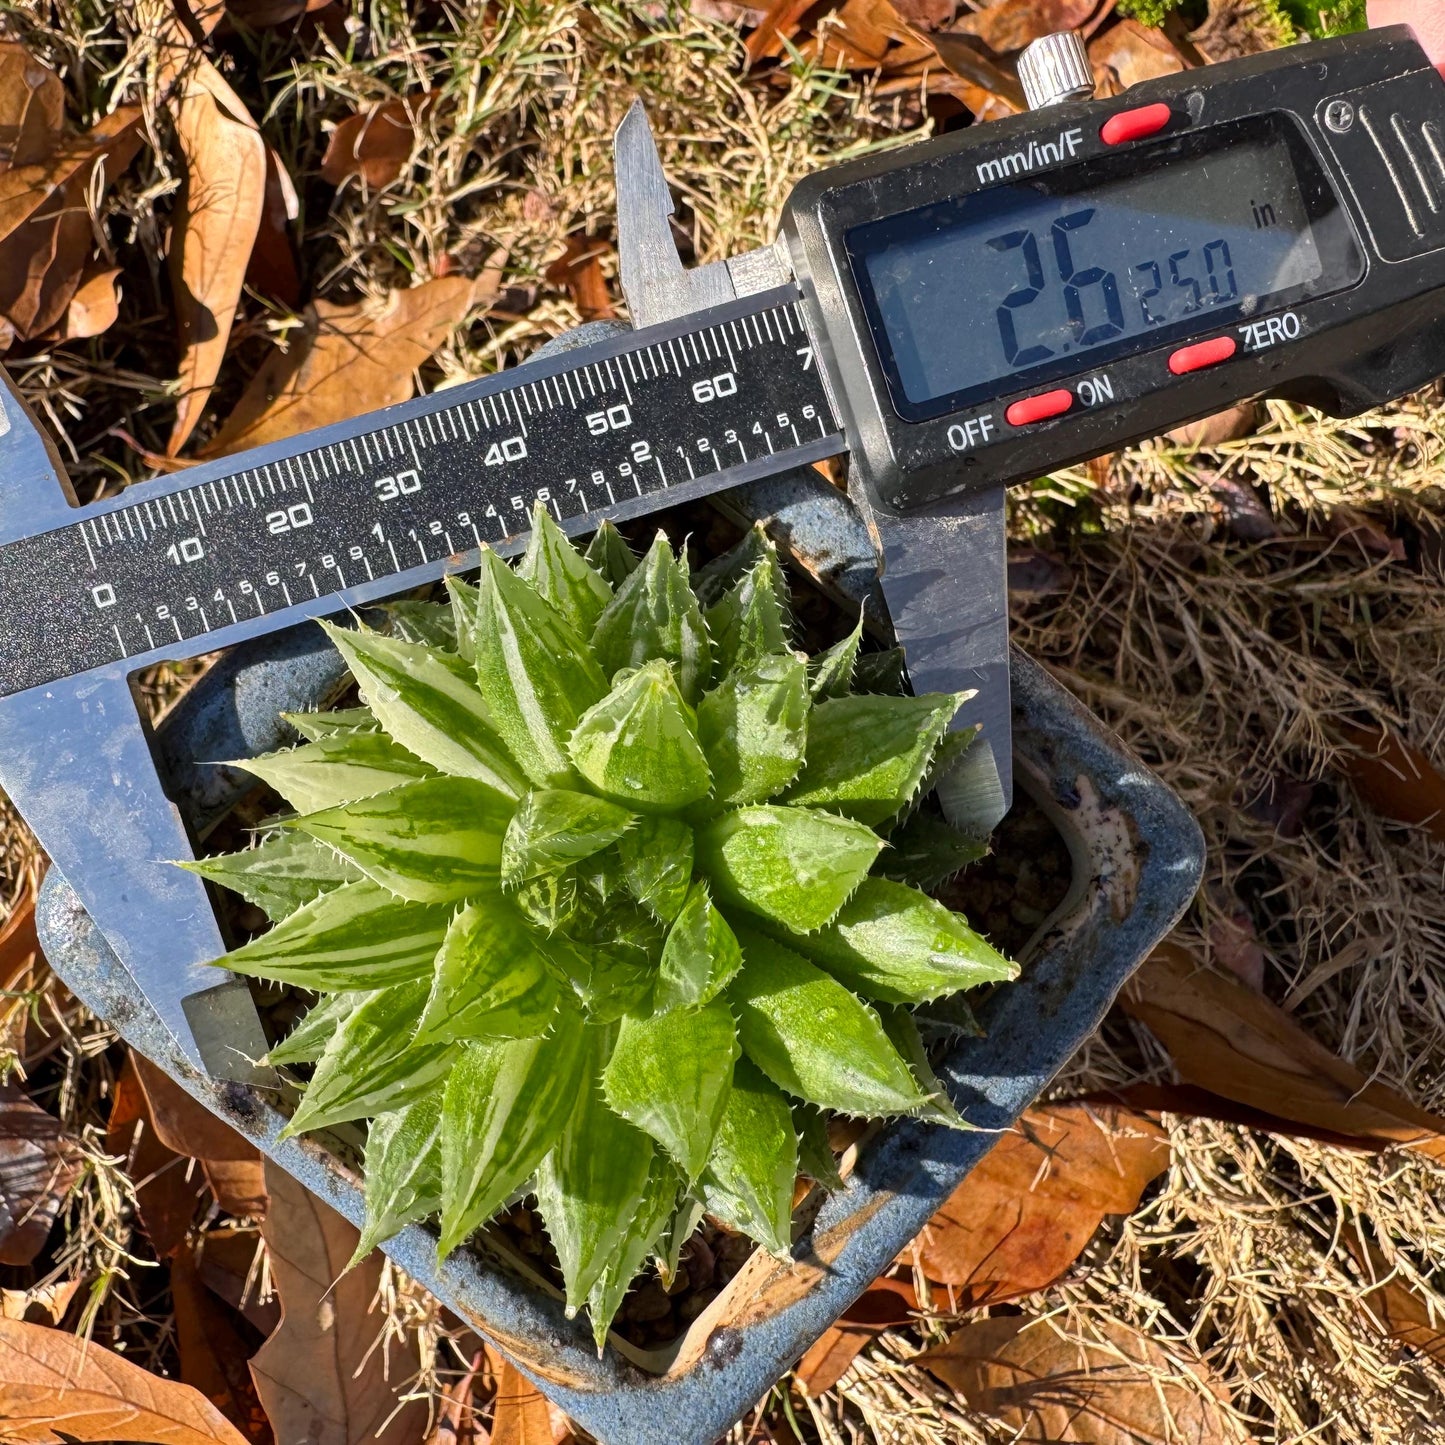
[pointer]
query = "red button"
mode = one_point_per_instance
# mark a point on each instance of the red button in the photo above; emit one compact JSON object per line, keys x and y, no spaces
{"x":1202,"y":354}
{"x":1134,"y":124}
{"x":1040,"y":407}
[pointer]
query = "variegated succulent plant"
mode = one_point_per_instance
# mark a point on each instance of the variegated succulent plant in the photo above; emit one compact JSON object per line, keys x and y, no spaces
{"x":594,"y":889}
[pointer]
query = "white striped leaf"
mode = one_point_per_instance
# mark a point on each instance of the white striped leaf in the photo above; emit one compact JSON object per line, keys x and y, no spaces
{"x":753,"y":728}
{"x":279,"y":875}
{"x":307,"y":1041}
{"x":700,"y":956}
{"x":462,"y":599}
{"x":655,"y":856}
{"x":403,"y":1170}
{"x":644,"y":1230}
{"x":338,"y":769}
{"x":555,"y":826}
{"x":313,"y":726}
{"x":427,"y":623}
{"x":561,"y":575}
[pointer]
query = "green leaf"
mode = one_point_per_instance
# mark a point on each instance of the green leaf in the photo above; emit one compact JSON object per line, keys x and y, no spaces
{"x":462,"y":599}
{"x":356,"y":937}
{"x":898,"y":1024}
{"x":896,"y":945}
{"x":881,"y":672}
{"x":338,"y":769}
{"x":403,"y":1169}
{"x":554,"y":827}
{"x":950,"y":1016}
{"x":313,"y":726}
{"x":492,"y":980}
{"x":430,"y":842}
{"x":794,"y":865}
{"x":429,"y":624}
{"x":655,"y":616}
{"x":679,"y":1229}
{"x":753,"y":620}
{"x":867,"y":755}
{"x":815,"y":1153}
{"x":537,"y":675}
{"x":550,"y":900}
{"x":505,"y":1106}
{"x":748,"y":1183}
{"x":370,"y":1065}
{"x":278,"y":875}
{"x":307,"y":1041}
{"x":608,"y":979}
{"x":561,"y":575}
{"x":700,"y":957}
{"x":638,"y":745}
{"x":753,"y":728}
{"x":715,"y":579}
{"x":643,"y":1229}
{"x":609,"y":553}
{"x":592,"y":1182}
{"x":926,"y":851}
{"x":656,"y":862}
{"x":830,"y":673}
{"x":812,"y":1037}
{"x":670,"y":1075}
{"x":429,"y":704}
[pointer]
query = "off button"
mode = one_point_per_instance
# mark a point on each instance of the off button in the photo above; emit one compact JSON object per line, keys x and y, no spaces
{"x":1039,"y":408}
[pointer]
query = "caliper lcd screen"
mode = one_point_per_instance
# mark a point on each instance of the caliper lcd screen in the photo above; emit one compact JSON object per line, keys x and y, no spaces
{"x":993,"y":291}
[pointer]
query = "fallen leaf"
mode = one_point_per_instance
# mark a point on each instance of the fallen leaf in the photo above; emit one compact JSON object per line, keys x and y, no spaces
{"x":1394,"y":777}
{"x":1013,"y":24}
{"x":32,"y":107}
{"x":778,"y":26}
{"x":1113,"y":1386}
{"x":1245,"y":516}
{"x":1026,"y":1210}
{"x":39,"y":1162}
{"x":1394,"y":1309}
{"x":885,"y":1303}
{"x":521,"y":1414}
{"x":1217,"y":428}
{"x":41,"y":1304}
{"x":984,"y":86}
{"x":579,"y":270}
{"x":349,"y":359}
{"x":1129,"y":52}
{"x":1233,"y":1041}
{"x":55,"y":1387}
{"x":21,"y":968}
{"x":1366,"y":533}
{"x":272,"y":267}
{"x":1280,"y":801}
{"x":322,"y":1376}
{"x":231,"y":1267}
{"x":1233,"y":943}
{"x":94,"y":307}
{"x":376,"y":144}
{"x":218,"y":214}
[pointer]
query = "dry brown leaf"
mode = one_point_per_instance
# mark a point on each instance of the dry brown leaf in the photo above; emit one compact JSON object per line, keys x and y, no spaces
{"x":55,"y":1387}
{"x":579,"y":271}
{"x":1394,"y":777}
{"x":985,"y":89}
{"x":521,"y":1414}
{"x":39,"y":1162}
{"x":231,"y":1268}
{"x":1129,"y":52}
{"x":350,"y":359}
{"x":886,"y":1302}
{"x":218,"y":214}
{"x":1013,"y":24}
{"x":272,"y":268}
{"x":21,"y":969}
{"x":1233,"y":1041}
{"x":1394,"y":1308}
{"x":322,"y":1377}
{"x":778,"y":25}
{"x":94,"y":307}
{"x":32,"y":107}
{"x":41,"y":1304}
{"x":1027,"y":1209}
{"x":376,"y":144}
{"x":1220,"y":426}
{"x":1115,"y":1386}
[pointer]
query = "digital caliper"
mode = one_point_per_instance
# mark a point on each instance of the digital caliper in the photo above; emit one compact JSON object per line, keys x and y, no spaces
{"x":955,"y":315}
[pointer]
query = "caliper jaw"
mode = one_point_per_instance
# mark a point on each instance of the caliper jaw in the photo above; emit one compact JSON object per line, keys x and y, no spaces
{"x":75,"y":758}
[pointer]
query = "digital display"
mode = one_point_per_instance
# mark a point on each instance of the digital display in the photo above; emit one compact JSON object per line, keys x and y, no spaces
{"x":987,"y":292}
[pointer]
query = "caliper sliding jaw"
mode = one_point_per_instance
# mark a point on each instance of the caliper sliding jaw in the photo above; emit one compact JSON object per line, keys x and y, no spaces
{"x":76,"y":755}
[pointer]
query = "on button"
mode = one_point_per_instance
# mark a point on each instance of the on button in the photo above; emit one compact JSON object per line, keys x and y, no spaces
{"x":1040,"y":407}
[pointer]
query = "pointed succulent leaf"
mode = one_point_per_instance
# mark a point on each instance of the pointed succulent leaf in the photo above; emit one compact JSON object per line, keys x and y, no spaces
{"x":429,"y":704}
{"x":715,"y":579}
{"x":946,"y":756}
{"x":280,"y":874}
{"x":656,"y":861}
{"x":903,"y":1032}
{"x":609,"y":554}
{"x":950,"y":1016}
{"x":429,"y":624}
{"x":700,"y":957}
{"x":753,"y":620}
{"x":561,"y":575}
{"x":926,"y":851}
{"x":492,"y":980}
{"x":867,"y":755}
{"x":537,"y":675}
{"x":403,"y":1169}
{"x":830,"y":673}
{"x":896,"y":945}
{"x":796,"y":866}
{"x":655,"y":616}
{"x":812,"y":1037}
{"x":815,"y":1152}
{"x":640,"y":1236}
{"x":462,"y":599}
{"x":607,"y":979}
{"x":505,"y":1105}
{"x":313,"y":726}
{"x":592,"y":1182}
{"x":753,"y":728}
{"x":370,"y":1065}
{"x":884,"y":673}
{"x":553,"y":827}
{"x":355,"y":937}
{"x":338,"y":769}
{"x":433,"y":841}
{"x":638,"y":745}
{"x":307,"y":1041}
{"x":549,"y":901}
{"x":748,"y":1183}
{"x":678,"y":1230}
{"x":670,"y":1075}
{"x":600,"y":876}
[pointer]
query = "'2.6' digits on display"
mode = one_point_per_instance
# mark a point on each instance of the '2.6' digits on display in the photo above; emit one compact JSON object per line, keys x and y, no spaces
{"x":1174,"y":286}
